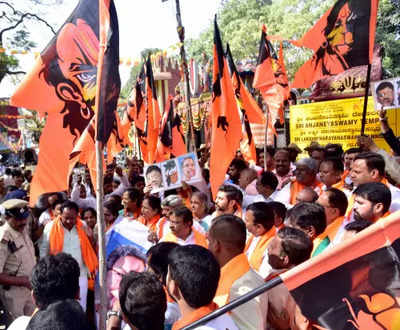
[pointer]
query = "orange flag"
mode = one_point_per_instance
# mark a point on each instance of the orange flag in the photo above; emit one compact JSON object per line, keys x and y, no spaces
{"x":226,"y":126}
{"x":365,"y":270}
{"x":250,"y":111}
{"x":343,"y":38}
{"x":152,"y":128}
{"x":63,"y":85}
{"x":172,"y":140}
{"x":137,"y":112}
{"x":271,"y":79}
{"x":117,"y":141}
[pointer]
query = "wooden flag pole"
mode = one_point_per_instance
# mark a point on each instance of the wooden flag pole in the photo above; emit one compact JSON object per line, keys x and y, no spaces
{"x":364,"y":115}
{"x":181,"y":34}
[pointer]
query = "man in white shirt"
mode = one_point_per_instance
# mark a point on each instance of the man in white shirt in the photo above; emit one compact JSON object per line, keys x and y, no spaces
{"x":182,"y":230}
{"x":266,"y":186}
{"x":75,"y":239}
{"x":194,"y":290}
{"x":368,"y":167}
{"x":260,"y":224}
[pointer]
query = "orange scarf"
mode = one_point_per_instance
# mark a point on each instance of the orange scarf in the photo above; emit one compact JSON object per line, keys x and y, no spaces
{"x":169,"y":298}
{"x":296,"y":187}
{"x":152,"y":224}
{"x":194,"y":316}
{"x":57,"y":243}
{"x":230,"y":273}
{"x":160,"y":225}
{"x":345,"y":174}
{"x":199,"y":238}
{"x":317,"y":241}
{"x":256,"y":257}
{"x":332,"y":229}
{"x":339,"y":185}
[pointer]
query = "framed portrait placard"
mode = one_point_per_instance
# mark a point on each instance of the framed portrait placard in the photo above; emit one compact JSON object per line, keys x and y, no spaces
{"x":171,"y":173}
{"x":386,"y":94}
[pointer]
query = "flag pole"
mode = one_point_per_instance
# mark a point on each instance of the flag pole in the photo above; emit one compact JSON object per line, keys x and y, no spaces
{"x":99,"y":177}
{"x":101,"y":230}
{"x":266,"y":140}
{"x":181,"y":35}
{"x":236,"y":302}
{"x":364,"y":114}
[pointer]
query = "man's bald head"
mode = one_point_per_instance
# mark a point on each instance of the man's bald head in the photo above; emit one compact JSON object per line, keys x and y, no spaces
{"x":230,"y":231}
{"x":247,"y":176}
{"x":307,"y":195}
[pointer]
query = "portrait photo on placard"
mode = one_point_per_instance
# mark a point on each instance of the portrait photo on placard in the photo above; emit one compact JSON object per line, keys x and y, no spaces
{"x":189,"y":167}
{"x":170,"y":173}
{"x":153,"y":177}
{"x":385,"y":94}
{"x":397,"y":97}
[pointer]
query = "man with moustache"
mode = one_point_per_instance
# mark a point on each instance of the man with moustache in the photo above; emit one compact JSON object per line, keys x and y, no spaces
{"x":371,"y":201}
{"x":282,"y":170}
{"x":17,"y":259}
{"x":385,"y":94}
{"x":229,"y":200}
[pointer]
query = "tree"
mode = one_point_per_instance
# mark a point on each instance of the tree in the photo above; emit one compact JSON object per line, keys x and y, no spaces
{"x":388,"y":35}
{"x":15,"y":34}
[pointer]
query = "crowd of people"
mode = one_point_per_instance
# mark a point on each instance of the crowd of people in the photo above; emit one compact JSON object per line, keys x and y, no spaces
{"x":183,"y":253}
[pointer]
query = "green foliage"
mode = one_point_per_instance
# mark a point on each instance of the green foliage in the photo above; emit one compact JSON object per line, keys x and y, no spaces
{"x":388,"y":35}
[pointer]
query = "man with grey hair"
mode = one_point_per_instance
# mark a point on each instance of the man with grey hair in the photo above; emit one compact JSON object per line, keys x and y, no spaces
{"x":306,"y":176}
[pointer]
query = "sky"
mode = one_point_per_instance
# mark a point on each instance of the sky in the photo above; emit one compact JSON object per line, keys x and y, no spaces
{"x":142,"y":24}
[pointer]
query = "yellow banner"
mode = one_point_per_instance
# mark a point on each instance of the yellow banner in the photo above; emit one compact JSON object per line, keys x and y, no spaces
{"x":337,"y":122}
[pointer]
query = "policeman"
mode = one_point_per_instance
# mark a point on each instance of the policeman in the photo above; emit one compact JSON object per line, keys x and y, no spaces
{"x":17,"y":259}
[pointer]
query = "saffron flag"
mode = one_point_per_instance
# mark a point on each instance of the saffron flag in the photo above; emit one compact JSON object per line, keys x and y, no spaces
{"x":343,"y":38}
{"x":152,"y":127}
{"x":172,"y":141}
{"x":354,"y":285}
{"x":137,"y":112}
{"x":271,"y":79}
{"x":117,"y":140}
{"x":124,"y":126}
{"x":226,"y":126}
{"x":63,"y":84}
{"x":264,"y":77}
{"x":250,"y":111}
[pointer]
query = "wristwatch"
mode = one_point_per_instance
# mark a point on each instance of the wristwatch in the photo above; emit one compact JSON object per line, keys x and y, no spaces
{"x":114,"y":313}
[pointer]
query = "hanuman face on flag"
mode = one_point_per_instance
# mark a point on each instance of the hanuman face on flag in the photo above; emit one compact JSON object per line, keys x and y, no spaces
{"x":340,"y":37}
{"x":72,"y":72}
{"x":346,"y":45}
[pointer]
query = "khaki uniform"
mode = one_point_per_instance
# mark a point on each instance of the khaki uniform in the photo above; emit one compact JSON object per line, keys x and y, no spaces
{"x":16,"y":260}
